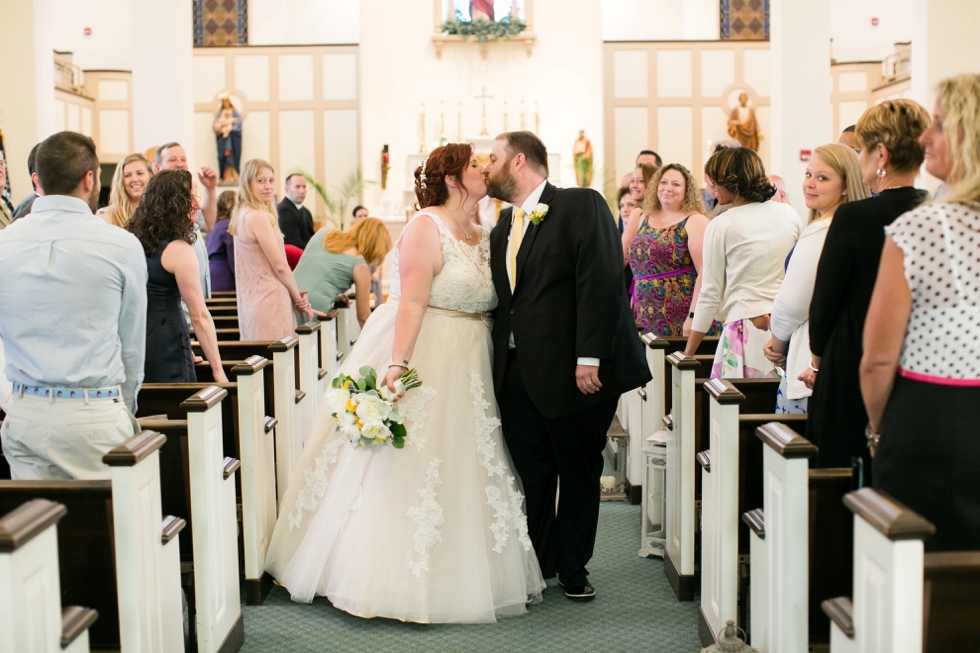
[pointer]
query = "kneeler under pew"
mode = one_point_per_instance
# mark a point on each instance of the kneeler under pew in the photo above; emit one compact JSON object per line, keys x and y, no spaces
{"x":904,"y":600}
{"x":249,"y":436}
{"x":117,"y":553}
{"x":199,"y":486}
{"x":800,"y":543}
{"x":31,"y":617}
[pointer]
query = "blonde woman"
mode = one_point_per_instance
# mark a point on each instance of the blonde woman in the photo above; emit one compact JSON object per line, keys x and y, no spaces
{"x":334,"y":259}
{"x":832,"y":178}
{"x":920,"y":375}
{"x":128,"y":183}
{"x":267,"y":291}
{"x":662,"y":245}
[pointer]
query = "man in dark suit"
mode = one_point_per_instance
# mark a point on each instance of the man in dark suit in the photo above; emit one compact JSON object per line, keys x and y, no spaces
{"x":295,"y":220}
{"x":26,"y":204}
{"x":565,"y":348}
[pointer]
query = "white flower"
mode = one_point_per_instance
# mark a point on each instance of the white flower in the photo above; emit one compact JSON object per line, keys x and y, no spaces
{"x":352,"y":432}
{"x":376,"y":430}
{"x":541,"y":209}
{"x":373,"y":409}
{"x":337,"y":400}
{"x":397,"y":414}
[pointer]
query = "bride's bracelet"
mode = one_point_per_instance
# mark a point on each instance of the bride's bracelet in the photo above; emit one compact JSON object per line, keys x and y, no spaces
{"x":404,"y":367}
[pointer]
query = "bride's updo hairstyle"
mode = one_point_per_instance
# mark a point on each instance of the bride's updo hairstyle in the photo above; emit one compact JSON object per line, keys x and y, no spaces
{"x":739,"y":170}
{"x":430,"y":178}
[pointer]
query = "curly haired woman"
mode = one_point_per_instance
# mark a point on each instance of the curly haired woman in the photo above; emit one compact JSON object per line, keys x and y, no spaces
{"x":164,"y":224}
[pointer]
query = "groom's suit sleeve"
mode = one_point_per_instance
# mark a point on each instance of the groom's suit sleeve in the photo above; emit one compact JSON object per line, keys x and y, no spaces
{"x":598,"y":281}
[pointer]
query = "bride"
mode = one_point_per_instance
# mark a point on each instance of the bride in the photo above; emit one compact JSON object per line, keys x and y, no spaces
{"x":435,"y":532}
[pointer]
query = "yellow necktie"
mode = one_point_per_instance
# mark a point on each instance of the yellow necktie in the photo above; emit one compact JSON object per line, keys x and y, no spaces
{"x":514,"y":244}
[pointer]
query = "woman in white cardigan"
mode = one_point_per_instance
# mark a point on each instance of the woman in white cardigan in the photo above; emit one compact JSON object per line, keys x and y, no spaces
{"x":743,"y":263}
{"x":833,"y":177}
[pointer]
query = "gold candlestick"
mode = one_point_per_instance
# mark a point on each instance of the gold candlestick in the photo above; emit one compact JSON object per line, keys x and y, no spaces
{"x":484,"y":97}
{"x":422,"y":130}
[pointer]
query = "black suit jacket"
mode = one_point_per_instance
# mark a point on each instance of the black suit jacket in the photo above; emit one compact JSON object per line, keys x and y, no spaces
{"x":296,"y":224}
{"x":569,"y":302}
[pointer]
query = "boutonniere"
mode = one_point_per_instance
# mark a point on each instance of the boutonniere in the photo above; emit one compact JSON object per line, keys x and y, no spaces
{"x":537,"y":215}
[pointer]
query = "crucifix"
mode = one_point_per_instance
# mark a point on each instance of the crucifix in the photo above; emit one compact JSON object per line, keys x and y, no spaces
{"x":484,"y":97}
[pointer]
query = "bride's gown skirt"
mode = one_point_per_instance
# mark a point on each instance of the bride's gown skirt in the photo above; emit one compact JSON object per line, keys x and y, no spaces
{"x":433,"y":533}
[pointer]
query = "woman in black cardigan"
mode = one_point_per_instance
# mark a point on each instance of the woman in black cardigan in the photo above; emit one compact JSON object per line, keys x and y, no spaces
{"x":890,"y":157}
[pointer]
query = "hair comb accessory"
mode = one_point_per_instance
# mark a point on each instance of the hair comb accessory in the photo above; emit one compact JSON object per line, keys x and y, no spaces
{"x":422,"y":176}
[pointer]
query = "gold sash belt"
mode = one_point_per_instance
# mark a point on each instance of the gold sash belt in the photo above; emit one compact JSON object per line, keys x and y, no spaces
{"x":443,"y":312}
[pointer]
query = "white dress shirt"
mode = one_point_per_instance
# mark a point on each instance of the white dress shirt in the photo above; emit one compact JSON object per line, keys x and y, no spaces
{"x":72,"y":300}
{"x":528,"y":207}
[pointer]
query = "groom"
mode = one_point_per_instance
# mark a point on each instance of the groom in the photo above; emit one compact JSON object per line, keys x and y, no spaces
{"x":565,"y":348}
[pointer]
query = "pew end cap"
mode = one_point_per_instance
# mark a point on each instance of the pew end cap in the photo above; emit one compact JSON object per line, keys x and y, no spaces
{"x":329,"y":315}
{"x":756,"y":521}
{"x":250,"y":365}
{"x":21,"y":525}
{"x":75,"y":620}
{"x":887,"y":516}
{"x":704,"y":459}
{"x":682,"y":361}
{"x":204,"y":400}
{"x":785,"y":441}
{"x":135,"y":448}
{"x":170,"y":528}
{"x":723,"y":392}
{"x":285,"y":344}
{"x":308,"y":328}
{"x":654,"y":342}
{"x":840,"y":611}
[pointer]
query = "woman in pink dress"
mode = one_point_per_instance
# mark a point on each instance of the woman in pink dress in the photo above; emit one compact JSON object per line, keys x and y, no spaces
{"x":267,"y":291}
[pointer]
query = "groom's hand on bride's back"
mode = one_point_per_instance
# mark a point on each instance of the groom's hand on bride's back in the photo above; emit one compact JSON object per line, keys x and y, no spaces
{"x":587,"y":379}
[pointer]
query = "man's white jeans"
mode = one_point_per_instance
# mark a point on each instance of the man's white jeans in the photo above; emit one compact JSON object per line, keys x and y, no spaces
{"x":45,"y":439}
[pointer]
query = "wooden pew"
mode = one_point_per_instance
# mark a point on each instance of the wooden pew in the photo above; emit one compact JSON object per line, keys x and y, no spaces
{"x":201,"y":484}
{"x":117,"y":553}
{"x":4,"y":466}
{"x":249,"y":436}
{"x":800,"y":543}
{"x":282,"y":396}
{"x":215,"y":294}
{"x":308,"y":376}
{"x":329,"y":354}
{"x":225,"y":321}
{"x":905,"y":600}
{"x":31,"y":617}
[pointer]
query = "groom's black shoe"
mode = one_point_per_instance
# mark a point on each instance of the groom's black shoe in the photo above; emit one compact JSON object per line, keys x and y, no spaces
{"x":577,"y":587}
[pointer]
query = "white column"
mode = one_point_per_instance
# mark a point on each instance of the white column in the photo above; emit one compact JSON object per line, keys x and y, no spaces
{"x":27,"y":92}
{"x":163,"y":75}
{"x":801,"y":113}
{"x":945,"y":42}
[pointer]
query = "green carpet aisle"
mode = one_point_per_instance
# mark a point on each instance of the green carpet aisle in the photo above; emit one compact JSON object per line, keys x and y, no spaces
{"x":635,"y":610}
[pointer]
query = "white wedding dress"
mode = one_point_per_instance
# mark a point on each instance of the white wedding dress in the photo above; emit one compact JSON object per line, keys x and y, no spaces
{"x":435,"y":532}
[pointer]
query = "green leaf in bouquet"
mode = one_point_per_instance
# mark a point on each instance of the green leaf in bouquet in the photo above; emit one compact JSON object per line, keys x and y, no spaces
{"x":366,"y":370}
{"x":338,"y":382}
{"x":362,"y":384}
{"x":398,"y":442}
{"x":397,"y":429}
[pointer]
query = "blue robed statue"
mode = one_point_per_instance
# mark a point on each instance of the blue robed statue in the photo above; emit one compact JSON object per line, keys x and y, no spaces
{"x":228,"y":134}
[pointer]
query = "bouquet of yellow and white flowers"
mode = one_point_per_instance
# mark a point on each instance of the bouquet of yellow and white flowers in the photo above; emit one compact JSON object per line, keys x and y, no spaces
{"x":365,"y":413}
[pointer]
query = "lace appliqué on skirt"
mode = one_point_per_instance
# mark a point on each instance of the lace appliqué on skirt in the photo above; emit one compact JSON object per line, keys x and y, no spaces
{"x":508,"y":513}
{"x":427,"y":517}
{"x":416,"y":415}
{"x":316,"y":482}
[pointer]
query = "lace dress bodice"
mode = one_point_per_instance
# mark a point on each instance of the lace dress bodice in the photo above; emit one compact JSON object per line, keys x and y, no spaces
{"x":464,"y":283}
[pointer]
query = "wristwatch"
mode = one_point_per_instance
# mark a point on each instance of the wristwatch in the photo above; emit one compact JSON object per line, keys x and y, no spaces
{"x":690,"y":314}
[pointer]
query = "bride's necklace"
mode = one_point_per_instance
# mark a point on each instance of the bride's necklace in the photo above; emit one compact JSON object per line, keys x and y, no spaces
{"x":453,"y":218}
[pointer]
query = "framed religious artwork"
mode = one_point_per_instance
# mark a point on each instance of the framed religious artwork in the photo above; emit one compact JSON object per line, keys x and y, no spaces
{"x":744,"y":20}
{"x":482,"y":22}
{"x":220,"y":22}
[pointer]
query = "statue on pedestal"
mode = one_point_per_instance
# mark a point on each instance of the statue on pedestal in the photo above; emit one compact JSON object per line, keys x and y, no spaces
{"x":743,"y":126}
{"x":228,"y":134}
{"x":582,"y":151}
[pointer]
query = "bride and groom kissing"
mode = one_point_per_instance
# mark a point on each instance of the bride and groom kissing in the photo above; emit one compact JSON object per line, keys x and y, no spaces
{"x":461,"y":525}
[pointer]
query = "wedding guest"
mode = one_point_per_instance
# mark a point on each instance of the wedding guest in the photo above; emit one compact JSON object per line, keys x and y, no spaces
{"x":890,"y":157}
{"x":336,"y":259}
{"x":128,"y":182}
{"x":267,"y":291}
{"x":638,"y":181}
{"x":779,"y":184}
{"x":920,"y":377}
{"x":295,"y":220}
{"x":645,"y":157}
{"x":164,"y":224}
{"x":711,"y":197}
{"x":6,"y":208}
{"x":221,"y":245}
{"x":24,"y":208}
{"x":662,"y":245}
{"x":73,"y":320}
{"x":744,"y":251}
{"x":832,"y":178}
{"x":171,"y":156}
{"x":849,"y":138}
{"x":359,"y":213}
{"x":626,"y":205}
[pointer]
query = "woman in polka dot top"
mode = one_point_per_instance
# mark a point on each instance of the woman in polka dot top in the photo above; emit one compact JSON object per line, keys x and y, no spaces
{"x":920,"y":374}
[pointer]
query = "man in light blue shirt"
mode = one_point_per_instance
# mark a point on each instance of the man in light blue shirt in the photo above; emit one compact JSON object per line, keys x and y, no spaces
{"x":72,"y":321}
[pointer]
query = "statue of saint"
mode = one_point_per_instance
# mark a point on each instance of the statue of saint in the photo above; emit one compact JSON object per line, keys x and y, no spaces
{"x":228,"y":134}
{"x":743,"y":126}
{"x":582,"y":151}
{"x":481,"y":10}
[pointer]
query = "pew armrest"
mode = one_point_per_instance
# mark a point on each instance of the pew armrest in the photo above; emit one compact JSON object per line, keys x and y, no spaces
{"x":300,"y":396}
{"x":321,"y":373}
{"x":231,"y":466}
{"x":340,"y":355}
{"x":270,"y":423}
{"x":329,"y":315}
{"x":75,"y":621}
{"x":667,"y":421}
{"x":308,"y":328}
{"x":21,"y":525}
{"x":841,"y":612}
{"x":755,"y":520}
{"x":642,"y":393}
{"x":250,"y":365}
{"x":704,"y":459}
{"x":171,"y":526}
{"x":653,"y":342}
